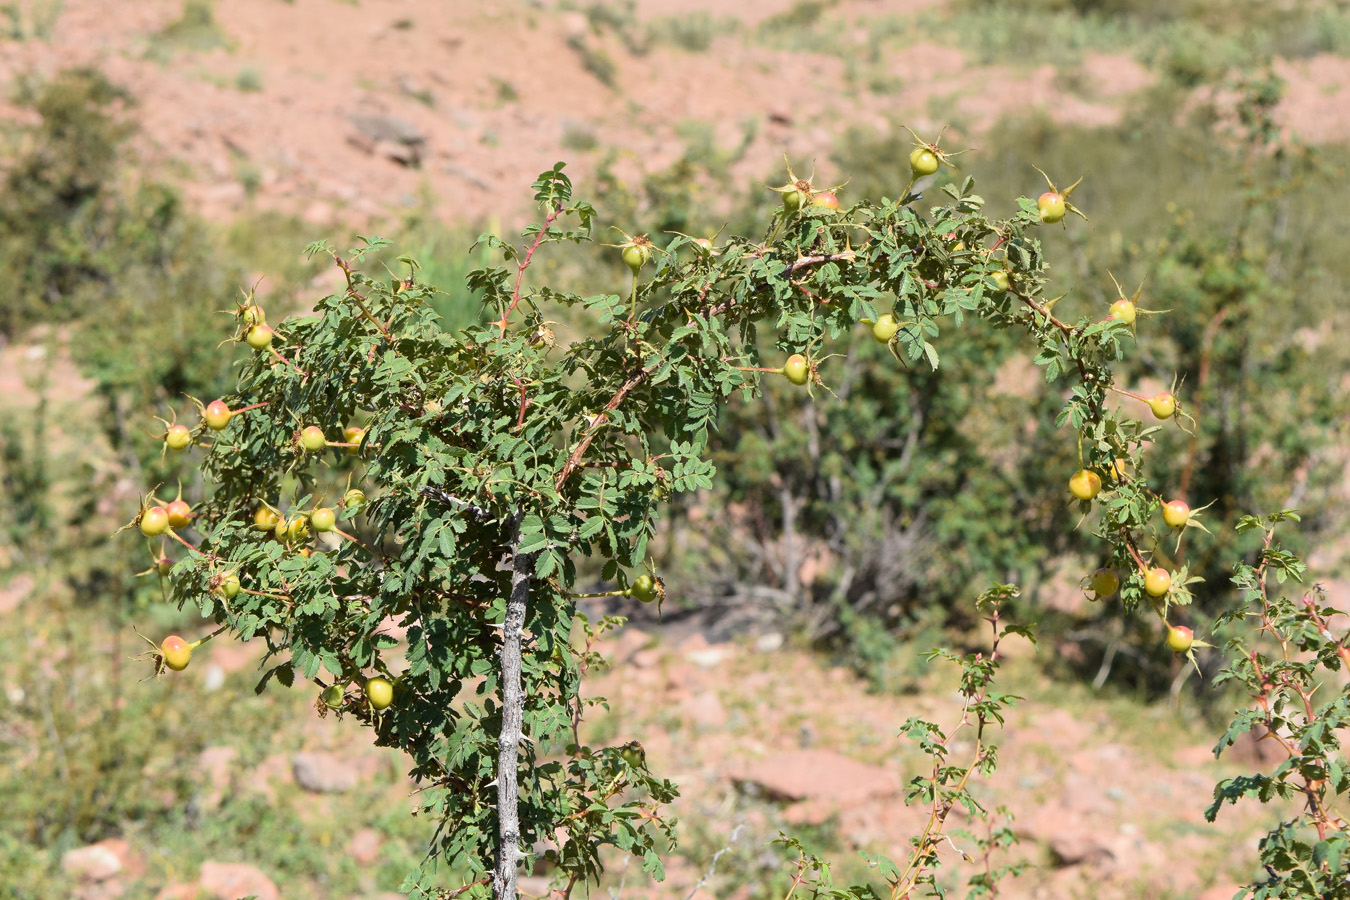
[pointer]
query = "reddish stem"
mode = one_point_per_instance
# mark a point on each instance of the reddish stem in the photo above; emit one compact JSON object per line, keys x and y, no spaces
{"x":574,"y":459}
{"x":520,"y":270}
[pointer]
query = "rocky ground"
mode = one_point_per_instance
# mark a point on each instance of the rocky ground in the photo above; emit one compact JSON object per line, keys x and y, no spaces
{"x":1108,"y":800}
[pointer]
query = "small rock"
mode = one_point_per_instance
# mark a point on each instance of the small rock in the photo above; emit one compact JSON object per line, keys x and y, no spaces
{"x":364,"y":847}
{"x":387,"y":128}
{"x":133,"y":864}
{"x":89,"y":864}
{"x":707,"y":659}
{"x":213,"y":679}
{"x":646,"y":659}
{"x":179,"y":890}
{"x":815,"y":774}
{"x":322,"y":773}
{"x":231,"y":881}
{"x":404,"y":154}
{"x":215,"y":764}
{"x":769,"y":643}
{"x":112,"y":889}
{"x":705,"y":710}
{"x":13,"y":593}
{"x":1078,"y":847}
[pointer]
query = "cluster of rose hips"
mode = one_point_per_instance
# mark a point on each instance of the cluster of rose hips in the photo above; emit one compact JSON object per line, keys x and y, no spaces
{"x":1177,"y":515}
{"x":1052,"y":206}
{"x":162,"y":519}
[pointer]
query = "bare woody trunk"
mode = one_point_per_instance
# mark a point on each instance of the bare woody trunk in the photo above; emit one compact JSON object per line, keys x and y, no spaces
{"x":513,"y":708}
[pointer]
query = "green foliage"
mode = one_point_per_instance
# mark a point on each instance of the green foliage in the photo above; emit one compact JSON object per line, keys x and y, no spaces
{"x":195,"y":31}
{"x":693,"y":31}
{"x":249,"y":80}
{"x":917,"y":486}
{"x":947,"y":787}
{"x":595,"y":60}
{"x":1290,"y":656}
{"x":31,"y":19}
{"x":492,"y":472}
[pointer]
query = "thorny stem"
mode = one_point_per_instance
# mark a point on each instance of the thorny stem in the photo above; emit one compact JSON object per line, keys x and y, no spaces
{"x":933,"y":831}
{"x":1312,"y":789}
{"x":281,"y":597}
{"x":175,"y":535}
{"x":574,"y":459}
{"x":360,"y":301}
{"x":522,"y":266}
{"x":279,"y":355}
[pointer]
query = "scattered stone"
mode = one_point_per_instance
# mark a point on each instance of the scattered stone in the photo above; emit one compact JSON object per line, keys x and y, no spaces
{"x":231,"y":881}
{"x":179,"y":890}
{"x":364,"y":847}
{"x":815,"y":774}
{"x":769,"y":643}
{"x":323,"y":773}
{"x":1073,"y":847}
{"x":213,"y":678}
{"x":96,"y":862}
{"x":646,"y":659}
{"x":13,"y":593}
{"x":705,"y":710}
{"x":215,"y":764}
{"x":388,"y":137}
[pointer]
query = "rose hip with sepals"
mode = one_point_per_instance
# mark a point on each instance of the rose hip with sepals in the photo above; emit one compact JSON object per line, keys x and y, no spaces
{"x":259,"y":337}
{"x":826,"y":200}
{"x":1054,"y":204}
{"x":1176,"y":513}
{"x":636,"y":252}
{"x":217,"y":415}
{"x":1163,"y":405}
{"x":323,"y":519}
{"x":797,"y":369}
{"x":1179,"y":638}
{"x":884,"y":328}
{"x":1104,"y":582}
{"x":644,"y":589}
{"x":927,"y":157}
{"x":380,"y":692}
{"x":1157,"y":581}
{"x":230,"y":586}
{"x":1123,"y":310}
{"x":353,"y":435}
{"x":154,"y":521}
{"x":180,"y":513}
{"x":1085,"y":484}
{"x":176,"y":652}
{"x":266,"y":518}
{"x":312,"y":439}
{"x":923,"y":161}
{"x":178,"y":437}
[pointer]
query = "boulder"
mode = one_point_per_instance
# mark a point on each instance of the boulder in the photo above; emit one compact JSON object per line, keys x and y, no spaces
{"x":231,"y":881}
